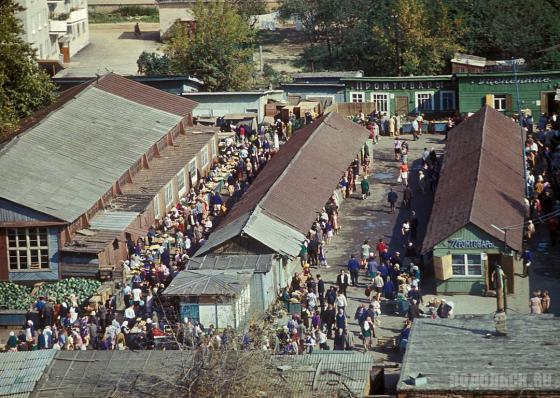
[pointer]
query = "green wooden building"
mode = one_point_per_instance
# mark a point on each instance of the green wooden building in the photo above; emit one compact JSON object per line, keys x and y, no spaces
{"x":431,"y":95}
{"x":537,"y":91}
{"x":479,"y":196}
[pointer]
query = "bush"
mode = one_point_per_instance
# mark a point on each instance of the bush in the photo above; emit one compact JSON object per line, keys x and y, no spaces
{"x":136,"y":11}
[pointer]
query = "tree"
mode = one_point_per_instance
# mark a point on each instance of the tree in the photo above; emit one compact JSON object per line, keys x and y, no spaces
{"x":152,"y":64}
{"x":24,"y":87}
{"x":219,"y":50}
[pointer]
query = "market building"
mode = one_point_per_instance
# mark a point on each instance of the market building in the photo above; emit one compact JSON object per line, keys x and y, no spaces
{"x":539,"y":92}
{"x":91,"y":171}
{"x":318,"y":86}
{"x":434,"y":96}
{"x":479,"y":197}
{"x":277,"y":211}
{"x":471,"y":361}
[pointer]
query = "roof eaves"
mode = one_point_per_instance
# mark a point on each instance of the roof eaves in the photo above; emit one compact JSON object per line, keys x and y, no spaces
{"x":479,"y":161}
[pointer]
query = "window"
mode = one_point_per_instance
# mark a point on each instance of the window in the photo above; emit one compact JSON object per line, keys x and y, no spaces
{"x":192,"y":171}
{"x":357,"y":97}
{"x":425,"y":101}
{"x":157,"y":211}
{"x":500,"y":102}
{"x":466,"y":264}
{"x":447,"y":100}
{"x":181,"y":182}
{"x":381,"y":102}
{"x":204,"y":156}
{"x":28,"y":249}
{"x":168,"y":195}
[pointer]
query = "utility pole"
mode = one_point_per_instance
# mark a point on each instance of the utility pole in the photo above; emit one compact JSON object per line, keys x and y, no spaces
{"x":518,"y":101}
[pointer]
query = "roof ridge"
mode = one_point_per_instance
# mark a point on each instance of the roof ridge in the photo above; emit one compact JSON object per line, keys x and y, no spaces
{"x":282,"y":175}
{"x":482,"y":142}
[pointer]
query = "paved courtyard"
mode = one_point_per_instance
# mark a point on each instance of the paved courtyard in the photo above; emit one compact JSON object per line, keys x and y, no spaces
{"x":113,"y":48}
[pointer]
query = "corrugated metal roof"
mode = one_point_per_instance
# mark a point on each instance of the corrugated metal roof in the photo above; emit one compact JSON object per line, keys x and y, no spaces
{"x":332,"y":374}
{"x":94,"y":374}
{"x":19,"y":371}
{"x":449,"y":350}
{"x":278,"y":236}
{"x":256,"y":263}
{"x":64,"y":164}
{"x":112,"y":220}
{"x":145,"y":95}
{"x":208,"y":282}
{"x":484,"y":154}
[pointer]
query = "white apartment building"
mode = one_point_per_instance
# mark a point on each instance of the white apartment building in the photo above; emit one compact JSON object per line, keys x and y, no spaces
{"x":57,"y":29}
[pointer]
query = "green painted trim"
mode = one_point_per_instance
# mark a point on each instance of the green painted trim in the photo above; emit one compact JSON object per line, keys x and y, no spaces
{"x":507,"y":74}
{"x":398,"y":78}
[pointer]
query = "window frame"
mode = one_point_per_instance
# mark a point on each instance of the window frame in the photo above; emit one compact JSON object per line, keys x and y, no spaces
{"x":193,"y":172}
{"x":417,"y":98}
{"x":204,"y":156}
{"x":465,"y":265}
{"x":360,"y":93}
{"x":157,"y":207}
{"x":441,"y":95}
{"x":181,"y":179}
{"x":502,"y":98}
{"x":168,"y":194}
{"x":387,"y":101}
{"x":41,"y":234}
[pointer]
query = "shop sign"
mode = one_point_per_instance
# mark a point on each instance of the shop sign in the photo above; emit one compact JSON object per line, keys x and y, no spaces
{"x":495,"y":82}
{"x":404,"y":85}
{"x":459,"y":243}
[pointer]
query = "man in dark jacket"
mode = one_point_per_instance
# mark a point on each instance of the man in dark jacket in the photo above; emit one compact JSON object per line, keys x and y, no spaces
{"x":414,"y":311}
{"x":328,"y":318}
{"x":331,"y":295}
{"x":321,"y":291}
{"x":343,"y":280}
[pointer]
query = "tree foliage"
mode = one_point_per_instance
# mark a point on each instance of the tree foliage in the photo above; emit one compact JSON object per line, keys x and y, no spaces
{"x":219,"y":50}
{"x":388,"y":37}
{"x":24,"y":87}
{"x":152,"y":64}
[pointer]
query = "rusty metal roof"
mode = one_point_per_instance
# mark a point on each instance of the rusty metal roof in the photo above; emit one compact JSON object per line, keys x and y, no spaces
{"x":208,"y":282}
{"x":301,"y":177}
{"x":20,"y":371}
{"x":144,"y":94}
{"x":481,"y":180}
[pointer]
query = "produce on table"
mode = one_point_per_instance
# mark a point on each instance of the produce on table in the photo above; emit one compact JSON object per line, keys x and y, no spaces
{"x":18,"y":297}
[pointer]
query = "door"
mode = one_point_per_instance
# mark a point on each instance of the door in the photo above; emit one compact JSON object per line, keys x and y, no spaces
{"x":508,"y":263}
{"x":401,"y":104}
{"x":493,"y":260}
{"x":191,"y":311}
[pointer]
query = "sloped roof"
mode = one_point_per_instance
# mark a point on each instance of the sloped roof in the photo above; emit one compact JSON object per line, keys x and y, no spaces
{"x":324,"y":374}
{"x":70,"y":157}
{"x":94,"y":374}
{"x":20,"y":371}
{"x":257,"y":263}
{"x":283,"y":201}
{"x":208,"y":282}
{"x":464,"y":353}
{"x":481,"y":180}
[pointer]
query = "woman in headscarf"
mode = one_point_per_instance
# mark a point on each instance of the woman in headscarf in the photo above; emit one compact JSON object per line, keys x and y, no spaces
{"x":12,"y":342}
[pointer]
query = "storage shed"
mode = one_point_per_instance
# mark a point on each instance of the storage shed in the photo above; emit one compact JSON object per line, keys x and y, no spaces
{"x":214,"y":297}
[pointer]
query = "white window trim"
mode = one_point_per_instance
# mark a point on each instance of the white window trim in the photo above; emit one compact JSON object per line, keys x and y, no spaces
{"x":441,"y":93}
{"x":388,"y":111}
{"x":503,"y":99}
{"x":416,"y":100}
{"x":157,"y":207}
{"x":467,"y":266}
{"x":184,"y":188}
{"x":206,"y":161}
{"x":168,"y":188}
{"x":192,"y":177}
{"x":362,"y":93}
{"x":27,"y":248}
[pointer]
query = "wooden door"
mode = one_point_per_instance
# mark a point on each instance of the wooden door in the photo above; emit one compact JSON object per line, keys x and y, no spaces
{"x":544,"y":102}
{"x":4,"y":275}
{"x":508,"y":263}
{"x":401,"y":105}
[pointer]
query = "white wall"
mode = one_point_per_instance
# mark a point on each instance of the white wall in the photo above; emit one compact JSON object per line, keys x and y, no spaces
{"x":35,"y":20}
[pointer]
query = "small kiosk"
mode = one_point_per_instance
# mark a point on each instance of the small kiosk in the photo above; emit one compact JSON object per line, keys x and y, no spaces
{"x":477,"y":216}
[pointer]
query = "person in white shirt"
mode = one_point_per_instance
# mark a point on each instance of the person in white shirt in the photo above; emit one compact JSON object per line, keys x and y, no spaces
{"x":311,"y":300}
{"x":129,"y":314}
{"x":341,"y":301}
{"x":321,"y":338}
{"x":136,"y":295}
